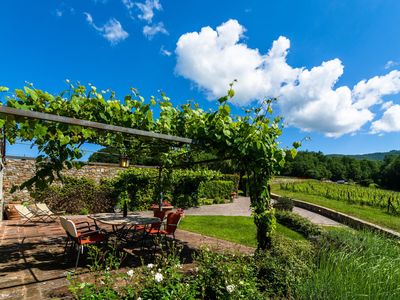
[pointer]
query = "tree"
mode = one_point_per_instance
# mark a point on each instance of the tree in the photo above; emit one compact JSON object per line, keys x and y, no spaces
{"x":248,"y":141}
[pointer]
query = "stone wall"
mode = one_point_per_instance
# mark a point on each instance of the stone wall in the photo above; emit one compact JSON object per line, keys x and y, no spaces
{"x":18,"y":170}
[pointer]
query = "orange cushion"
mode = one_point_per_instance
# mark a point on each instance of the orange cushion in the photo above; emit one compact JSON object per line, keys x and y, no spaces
{"x":92,"y":239}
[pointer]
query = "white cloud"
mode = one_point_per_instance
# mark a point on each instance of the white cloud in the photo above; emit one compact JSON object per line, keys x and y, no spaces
{"x":164,"y":51}
{"x":111,"y":31}
{"x":147,"y":9}
{"x":390,"y":121}
{"x":129,"y":4}
{"x":151,"y":30}
{"x":309,"y":99}
{"x":391,"y":64}
{"x":59,"y":12}
{"x":370,"y":92}
{"x":386,"y":105}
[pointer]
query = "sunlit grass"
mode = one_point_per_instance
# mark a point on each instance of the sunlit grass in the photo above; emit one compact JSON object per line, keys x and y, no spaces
{"x":240,"y":230}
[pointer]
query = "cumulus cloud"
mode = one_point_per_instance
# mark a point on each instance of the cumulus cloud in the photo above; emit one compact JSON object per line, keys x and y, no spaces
{"x":111,"y":31}
{"x":308,"y":98}
{"x":147,"y":9}
{"x":390,"y":121}
{"x":370,"y":92}
{"x":150,"y":31}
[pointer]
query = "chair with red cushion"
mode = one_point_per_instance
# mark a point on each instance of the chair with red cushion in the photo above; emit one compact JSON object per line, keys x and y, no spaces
{"x":173,"y":220}
{"x":83,"y":226}
{"x":83,"y":238}
{"x":154,"y":232}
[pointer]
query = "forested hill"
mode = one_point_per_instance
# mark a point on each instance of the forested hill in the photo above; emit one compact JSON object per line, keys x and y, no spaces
{"x":316,"y":165}
{"x":369,"y":156}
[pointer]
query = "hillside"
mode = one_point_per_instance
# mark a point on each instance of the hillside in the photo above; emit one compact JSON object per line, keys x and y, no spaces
{"x":369,"y":156}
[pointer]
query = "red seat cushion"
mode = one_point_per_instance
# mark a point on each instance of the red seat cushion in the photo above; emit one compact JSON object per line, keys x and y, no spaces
{"x":92,"y":239}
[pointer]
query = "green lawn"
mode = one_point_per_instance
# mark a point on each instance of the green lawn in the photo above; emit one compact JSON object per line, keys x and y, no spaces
{"x":367,"y":213}
{"x":240,"y":230}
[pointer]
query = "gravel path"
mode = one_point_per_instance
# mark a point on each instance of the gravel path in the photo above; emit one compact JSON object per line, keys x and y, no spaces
{"x":241,"y":207}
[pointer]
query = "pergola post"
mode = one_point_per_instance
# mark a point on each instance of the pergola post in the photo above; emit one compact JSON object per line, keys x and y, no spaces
{"x":2,"y":166}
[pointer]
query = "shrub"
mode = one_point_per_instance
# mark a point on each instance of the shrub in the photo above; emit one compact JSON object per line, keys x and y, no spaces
{"x":297,"y":223}
{"x":235,"y":178}
{"x":226,"y":276}
{"x":283,"y":267}
{"x":78,"y":195}
{"x":284,"y":203}
{"x":216,"y":189}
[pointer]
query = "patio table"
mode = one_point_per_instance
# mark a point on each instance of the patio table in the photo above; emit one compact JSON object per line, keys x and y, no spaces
{"x":122,"y":225}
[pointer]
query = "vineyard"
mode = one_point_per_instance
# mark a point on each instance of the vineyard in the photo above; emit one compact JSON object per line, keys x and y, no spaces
{"x":388,"y":200}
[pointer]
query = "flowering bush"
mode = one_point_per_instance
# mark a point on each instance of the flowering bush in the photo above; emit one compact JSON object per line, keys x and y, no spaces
{"x":217,"y":276}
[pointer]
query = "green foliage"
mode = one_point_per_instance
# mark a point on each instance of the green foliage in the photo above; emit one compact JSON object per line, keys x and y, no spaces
{"x":216,"y":189}
{"x":226,"y":276}
{"x":235,"y":178}
{"x":353,"y":265}
{"x":183,"y":188}
{"x":248,"y":141}
{"x":349,"y":193}
{"x":391,"y":172}
{"x":283,"y":267}
{"x":298,"y":223}
{"x":284,"y":203}
{"x":316,"y":165}
{"x":78,"y":196}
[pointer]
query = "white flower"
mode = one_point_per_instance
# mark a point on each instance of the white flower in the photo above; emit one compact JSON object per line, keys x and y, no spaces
{"x":130,"y":273}
{"x":196,"y":269}
{"x":159,"y":270}
{"x":140,"y":298}
{"x":150,"y":266}
{"x":158,"y":277}
{"x":230,"y":288}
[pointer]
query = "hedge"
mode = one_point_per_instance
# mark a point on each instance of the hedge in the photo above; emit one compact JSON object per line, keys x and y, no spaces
{"x":297,"y":223}
{"x":216,"y":189}
{"x":78,"y":196}
{"x":183,"y":188}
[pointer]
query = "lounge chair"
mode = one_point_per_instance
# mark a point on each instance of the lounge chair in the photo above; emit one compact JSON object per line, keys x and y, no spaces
{"x":43,"y":209}
{"x":29,"y":215}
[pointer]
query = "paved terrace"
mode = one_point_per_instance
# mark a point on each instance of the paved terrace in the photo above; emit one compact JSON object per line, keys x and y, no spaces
{"x":32,"y":264}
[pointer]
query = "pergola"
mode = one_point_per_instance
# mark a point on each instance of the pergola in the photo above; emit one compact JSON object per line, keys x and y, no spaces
{"x":27,"y":114}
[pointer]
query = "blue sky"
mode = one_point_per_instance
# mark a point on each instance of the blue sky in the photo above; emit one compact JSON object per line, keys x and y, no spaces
{"x":332,"y":64}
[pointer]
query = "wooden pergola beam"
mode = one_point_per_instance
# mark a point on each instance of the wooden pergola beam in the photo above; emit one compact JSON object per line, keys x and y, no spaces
{"x":96,"y":125}
{"x":78,"y":122}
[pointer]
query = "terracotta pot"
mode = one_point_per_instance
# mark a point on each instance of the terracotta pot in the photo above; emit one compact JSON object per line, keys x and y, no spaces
{"x":11,"y":212}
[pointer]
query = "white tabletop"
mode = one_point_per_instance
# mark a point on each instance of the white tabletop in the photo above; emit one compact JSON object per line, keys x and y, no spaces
{"x":119,"y":220}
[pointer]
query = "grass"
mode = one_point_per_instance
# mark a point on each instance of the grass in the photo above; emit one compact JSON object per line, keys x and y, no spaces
{"x":240,"y":230}
{"x":354,"y":265}
{"x":367,"y":213}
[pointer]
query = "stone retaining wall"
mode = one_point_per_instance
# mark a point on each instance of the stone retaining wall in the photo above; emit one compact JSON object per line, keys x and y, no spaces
{"x":342,"y":218}
{"x":18,"y":170}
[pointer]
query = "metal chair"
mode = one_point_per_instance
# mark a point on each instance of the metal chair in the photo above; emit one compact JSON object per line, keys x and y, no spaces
{"x":83,"y":238}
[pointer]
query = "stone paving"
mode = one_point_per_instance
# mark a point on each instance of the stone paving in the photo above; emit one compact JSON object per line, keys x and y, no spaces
{"x":241,"y":207}
{"x":33,"y":266}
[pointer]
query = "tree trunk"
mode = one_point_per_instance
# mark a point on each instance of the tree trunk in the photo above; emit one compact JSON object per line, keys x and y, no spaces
{"x":264,"y":217}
